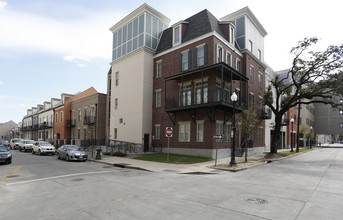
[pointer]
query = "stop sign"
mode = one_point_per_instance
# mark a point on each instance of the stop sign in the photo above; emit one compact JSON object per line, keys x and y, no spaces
{"x":169,"y":132}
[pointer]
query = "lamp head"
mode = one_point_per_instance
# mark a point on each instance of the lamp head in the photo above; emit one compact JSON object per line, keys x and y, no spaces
{"x":292,"y":120}
{"x":234,"y":97}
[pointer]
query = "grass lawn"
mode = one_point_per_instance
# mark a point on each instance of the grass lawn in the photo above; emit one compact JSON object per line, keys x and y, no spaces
{"x":290,"y":153}
{"x":173,"y":158}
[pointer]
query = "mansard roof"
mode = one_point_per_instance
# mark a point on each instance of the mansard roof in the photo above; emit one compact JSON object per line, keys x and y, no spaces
{"x":197,"y":25}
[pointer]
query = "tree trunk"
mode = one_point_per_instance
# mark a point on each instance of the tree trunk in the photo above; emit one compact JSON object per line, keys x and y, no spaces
{"x":276,"y":135}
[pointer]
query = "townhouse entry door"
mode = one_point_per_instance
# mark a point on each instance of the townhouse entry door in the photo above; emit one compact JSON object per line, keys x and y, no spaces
{"x":146,"y":142}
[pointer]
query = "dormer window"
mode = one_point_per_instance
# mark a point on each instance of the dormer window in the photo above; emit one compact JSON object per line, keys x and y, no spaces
{"x":177,"y":35}
{"x":232,"y":35}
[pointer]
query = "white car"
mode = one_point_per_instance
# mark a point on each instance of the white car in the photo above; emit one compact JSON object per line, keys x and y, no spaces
{"x":43,"y":147}
{"x":27,"y":145}
{"x":15,"y":143}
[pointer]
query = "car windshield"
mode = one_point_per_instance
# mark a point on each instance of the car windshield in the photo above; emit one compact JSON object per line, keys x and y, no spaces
{"x":3,"y":149}
{"x":29,"y":142}
{"x":45,"y":143}
{"x":73,"y":147}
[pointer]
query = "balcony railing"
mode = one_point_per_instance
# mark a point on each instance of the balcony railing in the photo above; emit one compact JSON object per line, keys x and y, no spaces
{"x":71,"y":123}
{"x":26,"y":128}
{"x":89,"y":120}
{"x":45,"y":125}
{"x":214,"y":98}
{"x":35,"y":127}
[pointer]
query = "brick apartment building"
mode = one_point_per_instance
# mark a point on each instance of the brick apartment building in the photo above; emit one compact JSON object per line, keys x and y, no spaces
{"x":185,"y":76}
{"x":197,"y":66}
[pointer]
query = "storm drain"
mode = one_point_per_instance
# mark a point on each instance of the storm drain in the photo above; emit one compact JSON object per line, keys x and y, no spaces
{"x":257,"y":201}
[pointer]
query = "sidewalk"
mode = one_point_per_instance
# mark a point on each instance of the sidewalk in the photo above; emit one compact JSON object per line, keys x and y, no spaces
{"x":198,"y":168}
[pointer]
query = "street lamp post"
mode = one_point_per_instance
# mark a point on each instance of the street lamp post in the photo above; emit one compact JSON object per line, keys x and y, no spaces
{"x":44,"y":124}
{"x":292,"y":121}
{"x":311,"y":136}
{"x":233,"y":159}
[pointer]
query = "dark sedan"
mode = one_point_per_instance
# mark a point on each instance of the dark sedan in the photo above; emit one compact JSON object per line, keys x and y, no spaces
{"x":71,"y":152}
{"x":5,"y":155}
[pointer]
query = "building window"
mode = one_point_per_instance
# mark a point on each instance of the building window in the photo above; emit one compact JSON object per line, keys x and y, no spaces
{"x":251,"y":101}
{"x":227,"y":129}
{"x":250,"y":46}
{"x":252,"y":74}
{"x":185,"y":95}
{"x":116,"y":103}
{"x":219,"y":128}
{"x":177,"y":35}
{"x":341,"y":125}
{"x":232,"y":35}
{"x":79,"y":115}
{"x":260,"y":104}
{"x":56,"y":117}
{"x":84,"y":134}
{"x":201,"y":55}
{"x":115,"y":133}
{"x":158,"y":98}
{"x":78,"y":133}
{"x":228,"y":58}
{"x":185,"y":61}
{"x":159,"y":69}
{"x":184,"y":131}
{"x":260,"y":80}
{"x":238,"y":65}
{"x":260,"y":135}
{"x":200,"y":131}
{"x":157,"y":132}
{"x":117,"y":78}
{"x":61,"y":118}
{"x":219,"y":54}
{"x":259,"y":55}
{"x":201,"y":92}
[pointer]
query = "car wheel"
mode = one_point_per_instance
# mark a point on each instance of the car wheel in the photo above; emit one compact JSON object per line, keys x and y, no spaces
{"x":10,"y":161}
{"x":33,"y":152}
{"x":67,"y":158}
{"x":58,"y":156}
{"x":39,"y":153}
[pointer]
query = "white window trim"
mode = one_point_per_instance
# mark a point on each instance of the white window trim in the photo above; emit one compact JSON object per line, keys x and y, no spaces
{"x":237,"y":62}
{"x":160,"y":91}
{"x":180,"y":28}
{"x":157,"y":63}
{"x":233,"y":34}
{"x":203,"y":130}
{"x":217,"y":53}
{"x":157,"y":125}
{"x":230,"y":62}
{"x":185,"y":123}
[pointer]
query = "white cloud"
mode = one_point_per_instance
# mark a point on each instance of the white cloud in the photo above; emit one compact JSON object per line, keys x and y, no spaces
{"x":81,"y":65}
{"x":1,"y":82}
{"x":68,"y":58}
{"x":2,"y":5}
{"x":82,"y":39}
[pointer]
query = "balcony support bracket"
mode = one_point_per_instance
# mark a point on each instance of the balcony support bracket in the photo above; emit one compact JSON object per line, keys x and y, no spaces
{"x":172,"y":116}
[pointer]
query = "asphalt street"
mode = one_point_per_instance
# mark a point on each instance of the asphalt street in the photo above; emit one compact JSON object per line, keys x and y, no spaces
{"x":306,"y":186}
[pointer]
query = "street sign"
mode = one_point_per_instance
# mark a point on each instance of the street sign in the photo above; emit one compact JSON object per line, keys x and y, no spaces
{"x":169,"y":132}
{"x":218,"y":137}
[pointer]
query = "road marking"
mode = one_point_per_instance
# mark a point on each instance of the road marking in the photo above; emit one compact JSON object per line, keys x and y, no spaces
{"x":57,"y":177}
{"x":12,"y":174}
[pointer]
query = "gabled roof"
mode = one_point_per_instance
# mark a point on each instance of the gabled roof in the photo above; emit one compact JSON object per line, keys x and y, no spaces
{"x":197,"y":25}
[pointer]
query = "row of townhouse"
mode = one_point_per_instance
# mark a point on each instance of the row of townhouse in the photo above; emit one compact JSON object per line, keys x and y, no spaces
{"x":72,"y":119}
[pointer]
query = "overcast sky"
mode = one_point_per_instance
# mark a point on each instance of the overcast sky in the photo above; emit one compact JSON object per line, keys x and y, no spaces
{"x":49,"y":47}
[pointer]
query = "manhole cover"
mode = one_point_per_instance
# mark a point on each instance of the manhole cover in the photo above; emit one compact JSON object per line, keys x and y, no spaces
{"x":256,"y":201}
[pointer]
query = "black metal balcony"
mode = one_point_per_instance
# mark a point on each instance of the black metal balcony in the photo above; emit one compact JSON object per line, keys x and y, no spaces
{"x":45,"y":125}
{"x":35,"y":127}
{"x":71,"y":123}
{"x":210,"y":86}
{"x":89,"y":120}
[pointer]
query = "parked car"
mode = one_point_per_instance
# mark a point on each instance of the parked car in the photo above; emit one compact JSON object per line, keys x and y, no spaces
{"x":71,"y":152}
{"x":5,"y":155}
{"x":4,"y":142}
{"x":15,"y":143}
{"x":43,"y":147}
{"x":27,"y":145}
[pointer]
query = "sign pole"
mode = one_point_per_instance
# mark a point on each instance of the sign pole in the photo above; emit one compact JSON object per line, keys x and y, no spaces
{"x":215,"y":164}
{"x":168,"y":150}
